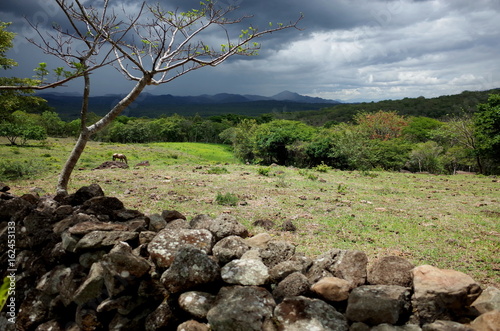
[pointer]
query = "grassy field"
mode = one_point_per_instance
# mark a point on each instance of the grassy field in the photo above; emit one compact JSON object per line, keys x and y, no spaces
{"x":451,"y":222}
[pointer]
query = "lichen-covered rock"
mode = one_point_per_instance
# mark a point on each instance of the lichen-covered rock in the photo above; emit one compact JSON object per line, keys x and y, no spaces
{"x":391,"y":270}
{"x":156,"y":222}
{"x":161,"y":318}
{"x":197,"y":303}
{"x":225,"y":226}
{"x":93,"y":286}
{"x":245,"y":272}
{"x":446,"y":326}
{"x":277,"y":251}
{"x":260,"y":240}
{"x":378,"y":304}
{"x":301,"y":313}
{"x":241,"y":308}
{"x":166,"y":243}
{"x":389,"y":327}
{"x":441,"y":294}
{"x":192,"y":325}
{"x":229,"y":248}
{"x":297,"y":263}
{"x":89,"y":226}
{"x":191,"y":267}
{"x":332,"y":289}
{"x":295,"y":284}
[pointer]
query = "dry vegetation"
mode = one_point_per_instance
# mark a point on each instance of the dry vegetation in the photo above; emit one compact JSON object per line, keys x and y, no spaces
{"x":446,"y":221}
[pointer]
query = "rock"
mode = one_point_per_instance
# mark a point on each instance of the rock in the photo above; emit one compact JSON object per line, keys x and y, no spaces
{"x":245,"y":272}
{"x":51,"y":325}
{"x":102,"y":206}
{"x":265,"y":223}
{"x":32,"y":312}
{"x":391,"y":270}
{"x":295,"y":284}
{"x":190,"y":267}
{"x":488,"y":300}
{"x":277,"y":251}
{"x":260,"y":240}
{"x":172,"y":215}
{"x":87,"y":319}
{"x":344,"y":264}
{"x":95,"y":225}
{"x":297,"y":263}
{"x":388,"y":327}
{"x":288,"y":226}
{"x":489,"y":321}
{"x":441,"y":294}
{"x":446,"y":326}
{"x":51,"y":282}
{"x":193,"y":325}
{"x":83,"y":194}
{"x":122,"y":269}
{"x":225,"y":226}
{"x":377,"y":304}
{"x":201,"y":222}
{"x":166,"y":243}
{"x":123,"y":305}
{"x":177,"y":224}
{"x":197,"y":303}
{"x":301,"y":313}
{"x":162,"y":318}
{"x":93,"y":286}
{"x":332,"y":288}
{"x":123,"y":215}
{"x":4,"y":187}
{"x":14,"y":209}
{"x":71,"y":220}
{"x":229,"y":248}
{"x":156,"y":223}
{"x":102,"y":239}
{"x":241,"y":308}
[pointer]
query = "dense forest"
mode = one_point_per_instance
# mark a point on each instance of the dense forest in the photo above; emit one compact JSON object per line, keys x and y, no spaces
{"x":438,"y":135}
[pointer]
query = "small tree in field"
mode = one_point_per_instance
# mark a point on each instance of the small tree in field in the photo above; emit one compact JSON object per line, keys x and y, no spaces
{"x":153,"y":47}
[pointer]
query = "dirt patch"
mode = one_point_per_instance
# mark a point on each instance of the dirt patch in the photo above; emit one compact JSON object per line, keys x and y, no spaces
{"x":112,"y":165}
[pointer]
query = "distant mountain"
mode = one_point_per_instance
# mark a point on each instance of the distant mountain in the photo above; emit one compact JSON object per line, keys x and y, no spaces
{"x":68,"y":106}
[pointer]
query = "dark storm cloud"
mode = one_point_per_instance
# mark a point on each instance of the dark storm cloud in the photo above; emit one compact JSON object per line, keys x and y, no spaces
{"x":346,"y":49}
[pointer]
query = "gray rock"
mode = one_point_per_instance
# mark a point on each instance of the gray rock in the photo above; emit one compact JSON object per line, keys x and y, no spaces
{"x":166,"y":243}
{"x":445,"y":326}
{"x":225,"y":226}
{"x":378,"y":304}
{"x":245,"y":272}
{"x":161,"y":318}
{"x":191,"y":267}
{"x":295,"y":284}
{"x":391,"y":270}
{"x":122,"y":269}
{"x":344,"y":264}
{"x":52,"y":281}
{"x":51,"y":325}
{"x":197,"y":303}
{"x":69,"y":242}
{"x":71,"y":220}
{"x":83,"y":194}
{"x":488,"y":300}
{"x":241,"y":308}
{"x":229,"y":248}
{"x":156,"y":223}
{"x":276,"y":252}
{"x":103,"y":239}
{"x":123,"y":305}
{"x":388,"y":327}
{"x":83,"y":228}
{"x":102,"y":206}
{"x":297,"y":263}
{"x":201,"y":222}
{"x":489,"y":321}
{"x":177,"y":224}
{"x":260,"y":240}
{"x":172,"y":215}
{"x":193,"y":325}
{"x":301,"y":313}
{"x":442,"y":294}
{"x":93,"y":286}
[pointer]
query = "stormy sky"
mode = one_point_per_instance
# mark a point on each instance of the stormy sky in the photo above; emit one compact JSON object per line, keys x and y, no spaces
{"x":349,"y":50}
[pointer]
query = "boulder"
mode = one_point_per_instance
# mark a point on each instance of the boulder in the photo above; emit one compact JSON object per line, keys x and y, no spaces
{"x":172,"y":215}
{"x":241,"y":308}
{"x":332,"y":288}
{"x":446,"y":326}
{"x":489,"y":321}
{"x":245,"y":272}
{"x":190,"y":267}
{"x":295,"y":284}
{"x":166,"y":243}
{"x":297,"y":263}
{"x":390,"y":270}
{"x":225,"y":226}
{"x":378,"y":304}
{"x":301,"y":313}
{"x":488,"y":300}
{"x":441,"y":294}
{"x":229,"y":248}
{"x":197,"y":303}
{"x":102,"y":239}
{"x":277,"y":251}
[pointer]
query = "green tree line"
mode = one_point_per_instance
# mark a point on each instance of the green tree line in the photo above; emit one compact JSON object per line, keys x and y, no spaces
{"x":381,"y":140}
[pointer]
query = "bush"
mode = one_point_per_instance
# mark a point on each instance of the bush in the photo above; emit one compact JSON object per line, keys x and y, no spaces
{"x":264,"y":171}
{"x":322,"y":167}
{"x":18,"y":169}
{"x":228,"y":199}
{"x":217,"y":171}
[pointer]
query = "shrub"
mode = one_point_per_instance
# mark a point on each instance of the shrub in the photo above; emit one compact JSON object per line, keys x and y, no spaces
{"x":18,"y":169}
{"x":322,"y":167}
{"x":228,"y":199}
{"x":217,"y":171}
{"x":264,"y":171}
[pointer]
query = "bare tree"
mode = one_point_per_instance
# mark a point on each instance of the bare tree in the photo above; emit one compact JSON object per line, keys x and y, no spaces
{"x":152,"y":47}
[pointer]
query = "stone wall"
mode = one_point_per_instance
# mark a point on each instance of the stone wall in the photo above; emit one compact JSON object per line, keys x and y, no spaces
{"x":85,"y":262}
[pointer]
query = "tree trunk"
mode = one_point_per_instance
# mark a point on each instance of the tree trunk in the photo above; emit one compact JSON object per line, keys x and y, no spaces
{"x":62,"y":185}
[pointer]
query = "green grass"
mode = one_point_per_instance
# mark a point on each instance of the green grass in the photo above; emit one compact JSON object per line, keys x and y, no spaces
{"x":451,"y":222}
